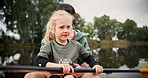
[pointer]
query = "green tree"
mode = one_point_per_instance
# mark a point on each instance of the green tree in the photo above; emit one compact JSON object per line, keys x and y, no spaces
{"x":142,"y":34}
{"x":27,"y":17}
{"x":129,"y":30}
{"x":106,"y":27}
{"x":80,"y":23}
{"x":90,"y":30}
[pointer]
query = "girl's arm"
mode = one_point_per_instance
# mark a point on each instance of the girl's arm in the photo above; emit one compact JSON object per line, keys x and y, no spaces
{"x":92,"y":63}
{"x":89,"y":59}
{"x":42,"y":61}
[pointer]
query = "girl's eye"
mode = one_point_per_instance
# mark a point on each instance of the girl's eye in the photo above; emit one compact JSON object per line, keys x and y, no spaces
{"x":68,"y":27}
{"x":61,"y":27}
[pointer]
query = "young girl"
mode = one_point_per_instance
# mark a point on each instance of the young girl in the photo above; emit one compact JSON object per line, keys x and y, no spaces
{"x":58,"y":46}
{"x":75,"y":33}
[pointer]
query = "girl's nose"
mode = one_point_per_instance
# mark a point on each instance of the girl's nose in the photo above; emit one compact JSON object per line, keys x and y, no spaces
{"x":66,"y":30}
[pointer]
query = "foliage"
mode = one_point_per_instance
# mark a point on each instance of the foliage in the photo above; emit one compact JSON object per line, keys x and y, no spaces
{"x":27,"y":17}
{"x":80,"y":23}
{"x":90,"y":30}
{"x":141,"y":34}
{"x":106,"y":28}
{"x":129,"y":30}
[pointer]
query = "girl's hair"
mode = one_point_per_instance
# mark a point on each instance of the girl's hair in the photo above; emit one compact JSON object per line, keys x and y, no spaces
{"x":49,"y":28}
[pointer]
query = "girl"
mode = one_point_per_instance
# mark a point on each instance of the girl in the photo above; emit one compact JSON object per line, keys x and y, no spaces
{"x":58,"y":46}
{"x":75,"y":33}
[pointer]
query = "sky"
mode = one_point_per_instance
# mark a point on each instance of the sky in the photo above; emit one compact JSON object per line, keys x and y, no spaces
{"x":121,"y":10}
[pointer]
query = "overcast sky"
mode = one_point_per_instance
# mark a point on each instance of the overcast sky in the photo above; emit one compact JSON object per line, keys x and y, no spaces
{"x":121,"y":10}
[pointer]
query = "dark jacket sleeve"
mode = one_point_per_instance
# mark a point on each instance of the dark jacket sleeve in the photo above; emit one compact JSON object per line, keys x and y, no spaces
{"x":90,"y":59}
{"x":40,"y":61}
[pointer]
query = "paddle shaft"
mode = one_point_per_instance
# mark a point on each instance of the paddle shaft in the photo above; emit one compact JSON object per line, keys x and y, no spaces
{"x":106,"y":70}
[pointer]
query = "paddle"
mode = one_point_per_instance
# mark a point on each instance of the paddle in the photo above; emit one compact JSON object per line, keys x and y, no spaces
{"x":143,"y":71}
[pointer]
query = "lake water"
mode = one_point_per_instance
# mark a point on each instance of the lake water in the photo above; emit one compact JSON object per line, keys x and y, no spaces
{"x":131,"y":57}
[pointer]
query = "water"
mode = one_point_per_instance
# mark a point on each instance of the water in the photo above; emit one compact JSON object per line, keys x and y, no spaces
{"x":131,"y":57}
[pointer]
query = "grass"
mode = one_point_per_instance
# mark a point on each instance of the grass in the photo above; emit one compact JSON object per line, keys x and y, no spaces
{"x":104,"y":44}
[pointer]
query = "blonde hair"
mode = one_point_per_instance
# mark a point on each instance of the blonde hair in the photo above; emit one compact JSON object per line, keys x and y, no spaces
{"x":49,"y":28}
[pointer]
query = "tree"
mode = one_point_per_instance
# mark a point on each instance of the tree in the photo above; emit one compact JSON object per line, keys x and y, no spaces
{"x":28,"y":17}
{"x":142,"y":34}
{"x":129,"y":30}
{"x":90,"y":30}
{"x":106,"y":27}
{"x":80,"y":23}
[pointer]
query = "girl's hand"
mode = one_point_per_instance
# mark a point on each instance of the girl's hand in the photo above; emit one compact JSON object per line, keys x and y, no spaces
{"x":67,"y":68}
{"x":98,"y":68}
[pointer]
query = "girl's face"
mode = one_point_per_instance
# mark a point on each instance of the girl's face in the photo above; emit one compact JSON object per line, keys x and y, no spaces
{"x":62,"y":30}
